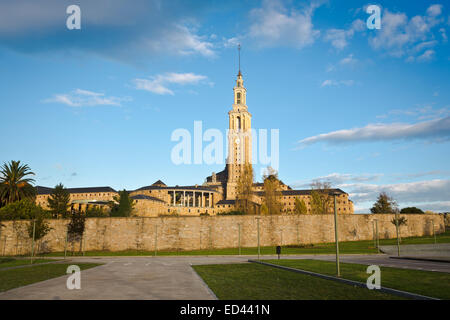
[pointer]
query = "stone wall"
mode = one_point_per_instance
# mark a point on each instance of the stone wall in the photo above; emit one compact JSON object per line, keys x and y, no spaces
{"x":189,"y":233}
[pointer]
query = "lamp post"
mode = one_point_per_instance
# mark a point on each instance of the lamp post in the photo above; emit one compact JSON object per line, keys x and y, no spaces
{"x":396,"y":227}
{"x":257,"y":222}
{"x":336,"y":236}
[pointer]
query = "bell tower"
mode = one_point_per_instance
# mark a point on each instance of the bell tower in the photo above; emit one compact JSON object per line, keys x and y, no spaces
{"x":239,"y":136}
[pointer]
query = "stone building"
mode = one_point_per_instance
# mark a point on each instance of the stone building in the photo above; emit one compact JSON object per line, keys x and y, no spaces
{"x":217,"y":194}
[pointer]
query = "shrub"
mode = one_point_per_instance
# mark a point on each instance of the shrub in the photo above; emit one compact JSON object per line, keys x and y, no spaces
{"x":23,"y":209}
{"x":96,"y":213}
{"x":231,"y":213}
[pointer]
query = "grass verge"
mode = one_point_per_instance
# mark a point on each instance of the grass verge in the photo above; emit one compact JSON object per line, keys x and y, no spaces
{"x":250,"y":281}
{"x":345,"y":247}
{"x":13,"y":262}
{"x":10,"y":279}
{"x":427,"y":283}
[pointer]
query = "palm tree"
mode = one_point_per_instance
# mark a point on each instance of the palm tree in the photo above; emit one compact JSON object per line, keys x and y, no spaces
{"x":14,"y":184}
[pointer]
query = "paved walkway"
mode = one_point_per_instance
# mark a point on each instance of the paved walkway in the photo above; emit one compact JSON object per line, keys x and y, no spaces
{"x":168,"y":278}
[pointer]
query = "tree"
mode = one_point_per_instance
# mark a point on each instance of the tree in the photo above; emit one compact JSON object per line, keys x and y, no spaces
{"x":401,"y":222}
{"x":300,"y":207}
{"x":272,"y":193}
{"x":75,"y":228}
{"x":245,"y":189}
{"x":411,"y":210}
{"x":384,"y":204}
{"x":58,"y":201}
{"x":321,"y":200}
{"x":122,"y":206}
{"x":23,"y":209}
{"x":40,"y":227}
{"x":14,"y":184}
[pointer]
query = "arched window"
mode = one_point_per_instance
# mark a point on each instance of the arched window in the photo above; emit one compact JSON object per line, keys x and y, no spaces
{"x":239,"y":122}
{"x":238,"y":98}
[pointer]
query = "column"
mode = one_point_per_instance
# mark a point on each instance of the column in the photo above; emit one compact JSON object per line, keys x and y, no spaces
{"x":174,"y":198}
{"x":202,"y":201}
{"x":193,"y":198}
{"x":184,"y":198}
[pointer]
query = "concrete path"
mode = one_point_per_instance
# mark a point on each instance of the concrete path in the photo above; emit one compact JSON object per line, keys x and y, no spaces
{"x":167,"y":278}
{"x":441,"y":250}
{"x":128,"y":278}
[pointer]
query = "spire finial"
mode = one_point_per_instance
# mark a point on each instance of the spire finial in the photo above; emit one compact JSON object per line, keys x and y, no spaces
{"x":239,"y":53}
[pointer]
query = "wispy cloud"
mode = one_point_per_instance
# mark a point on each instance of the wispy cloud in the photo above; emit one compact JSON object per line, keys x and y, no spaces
{"x":339,"y":178}
{"x":337,"y":83}
{"x":275,"y":25}
{"x":421,"y":113}
{"x":159,"y":84}
{"x":432,"y":130}
{"x":419,"y":191}
{"x":339,"y":38}
{"x":82,"y":98}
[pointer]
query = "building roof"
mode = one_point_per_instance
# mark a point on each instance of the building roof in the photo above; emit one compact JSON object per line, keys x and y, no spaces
{"x":191,"y":188}
{"x":144,"y":197}
{"x":226,"y":202}
{"x":46,"y":190}
{"x":301,"y":192}
{"x":159,"y":183}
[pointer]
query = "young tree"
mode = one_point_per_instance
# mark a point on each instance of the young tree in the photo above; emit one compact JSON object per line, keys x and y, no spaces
{"x":58,"y":201}
{"x":122,"y":206}
{"x":401,"y":222}
{"x":14,"y":183}
{"x":75,"y":228}
{"x":245,"y":189}
{"x":272,"y":192}
{"x":300,"y":207}
{"x":321,"y":200}
{"x":384,"y":204}
{"x":40,"y":227}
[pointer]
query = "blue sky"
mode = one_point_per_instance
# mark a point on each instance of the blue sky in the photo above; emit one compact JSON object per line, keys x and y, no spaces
{"x":365,"y":109}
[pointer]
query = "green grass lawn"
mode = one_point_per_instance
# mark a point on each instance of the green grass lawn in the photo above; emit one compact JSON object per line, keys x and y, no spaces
{"x":250,"y":281}
{"x":432,"y":284}
{"x":345,"y":247}
{"x":13,"y":262}
{"x":14,"y":278}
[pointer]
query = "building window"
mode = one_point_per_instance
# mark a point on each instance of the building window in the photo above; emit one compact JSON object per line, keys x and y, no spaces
{"x":238,"y":98}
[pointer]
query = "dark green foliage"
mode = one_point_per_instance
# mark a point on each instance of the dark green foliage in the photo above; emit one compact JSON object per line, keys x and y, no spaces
{"x":122,"y":205}
{"x":411,"y":210}
{"x":96,"y":213}
{"x":75,"y":228}
{"x":58,"y":201}
{"x":41,"y":227}
{"x":23,"y":209}
{"x":384,"y":204}
{"x":231,"y":213}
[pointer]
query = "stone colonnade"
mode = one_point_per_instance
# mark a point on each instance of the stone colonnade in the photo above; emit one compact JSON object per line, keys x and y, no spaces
{"x":191,"y":198}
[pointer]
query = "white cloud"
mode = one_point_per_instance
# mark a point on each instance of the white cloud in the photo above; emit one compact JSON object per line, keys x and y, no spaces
{"x":275,"y":25}
{"x":420,"y":191}
{"x":348,"y":60}
{"x":159,"y":84}
{"x":82,"y":98}
{"x":337,"y":83}
{"x":421,"y":113}
{"x":400,"y":36}
{"x":339,"y":38}
{"x":437,"y":129}
{"x":339,"y":178}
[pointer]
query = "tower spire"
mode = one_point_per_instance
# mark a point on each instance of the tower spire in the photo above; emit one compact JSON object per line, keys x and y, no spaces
{"x":239,"y":53}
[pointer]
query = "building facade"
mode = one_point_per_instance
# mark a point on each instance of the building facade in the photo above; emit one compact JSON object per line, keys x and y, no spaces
{"x":219,"y":191}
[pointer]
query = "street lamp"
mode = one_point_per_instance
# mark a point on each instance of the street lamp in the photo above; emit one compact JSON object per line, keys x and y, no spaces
{"x":338,"y":270}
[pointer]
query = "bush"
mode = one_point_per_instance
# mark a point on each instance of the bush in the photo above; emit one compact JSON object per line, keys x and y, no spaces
{"x":96,"y":213}
{"x":23,"y":209}
{"x":412,"y":210}
{"x":231,"y":213}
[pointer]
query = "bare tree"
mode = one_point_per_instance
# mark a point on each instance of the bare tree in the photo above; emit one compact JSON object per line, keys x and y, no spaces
{"x":321,"y":200}
{"x":245,"y":189}
{"x":272,"y":192}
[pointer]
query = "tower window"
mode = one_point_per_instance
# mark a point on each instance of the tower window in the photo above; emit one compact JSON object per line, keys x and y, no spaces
{"x":238,"y":98}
